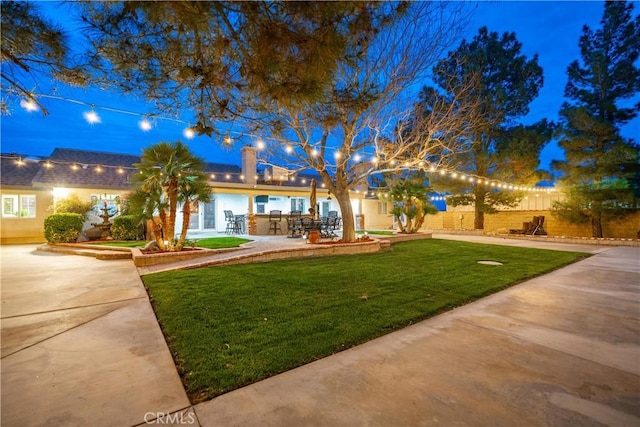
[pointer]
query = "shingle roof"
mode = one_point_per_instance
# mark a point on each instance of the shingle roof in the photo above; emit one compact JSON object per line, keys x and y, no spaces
{"x":81,"y":168}
{"x":12,"y":173}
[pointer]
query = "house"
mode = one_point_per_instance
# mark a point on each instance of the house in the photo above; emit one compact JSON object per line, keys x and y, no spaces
{"x":30,"y":186}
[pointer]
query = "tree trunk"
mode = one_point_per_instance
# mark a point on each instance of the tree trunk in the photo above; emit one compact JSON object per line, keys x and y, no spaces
{"x":348,"y":220}
{"x":478,"y":221}
{"x":596,"y":225}
{"x":186,"y":217}
{"x":162,"y":235}
{"x":172,"y":195}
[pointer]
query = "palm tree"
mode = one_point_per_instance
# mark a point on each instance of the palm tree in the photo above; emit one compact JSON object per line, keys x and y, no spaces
{"x":168,"y":173}
{"x":194,"y":189}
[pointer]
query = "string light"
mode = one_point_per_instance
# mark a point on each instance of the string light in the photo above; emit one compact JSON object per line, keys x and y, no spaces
{"x":188,"y":133}
{"x":91,"y":117}
{"x":145,"y":125}
{"x":29,"y":105}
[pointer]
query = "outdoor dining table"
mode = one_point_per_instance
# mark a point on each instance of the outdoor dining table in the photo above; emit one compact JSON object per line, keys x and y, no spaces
{"x":301,"y":226}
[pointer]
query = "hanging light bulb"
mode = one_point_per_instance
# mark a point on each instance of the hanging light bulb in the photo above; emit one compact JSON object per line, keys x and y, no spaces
{"x":29,"y":105}
{"x":260,"y":145}
{"x":91,"y":116}
{"x":145,"y":125}
{"x":189,"y":133}
{"x":228,"y":140}
{"x":288,"y":149}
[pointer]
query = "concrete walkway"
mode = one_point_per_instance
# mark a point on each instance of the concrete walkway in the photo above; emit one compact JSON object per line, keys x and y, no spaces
{"x":81,"y":346}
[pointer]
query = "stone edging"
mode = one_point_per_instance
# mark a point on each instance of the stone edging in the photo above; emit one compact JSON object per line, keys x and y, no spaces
{"x":145,"y":260}
{"x":573,"y":240}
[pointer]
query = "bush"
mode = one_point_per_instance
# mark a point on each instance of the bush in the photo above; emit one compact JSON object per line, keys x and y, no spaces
{"x":125,"y":227}
{"x":72,"y":204}
{"x":63,"y":227}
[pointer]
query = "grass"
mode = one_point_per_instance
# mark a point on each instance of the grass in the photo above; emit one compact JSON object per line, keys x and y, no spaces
{"x":380,"y":232}
{"x":209,"y":243}
{"x":230,"y":326}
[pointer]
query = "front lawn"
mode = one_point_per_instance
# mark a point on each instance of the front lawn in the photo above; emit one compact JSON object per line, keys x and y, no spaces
{"x":230,"y":326}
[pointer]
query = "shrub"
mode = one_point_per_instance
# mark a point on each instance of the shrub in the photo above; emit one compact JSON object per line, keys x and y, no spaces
{"x":72,"y":204}
{"x":63,"y":227}
{"x":125,"y":227}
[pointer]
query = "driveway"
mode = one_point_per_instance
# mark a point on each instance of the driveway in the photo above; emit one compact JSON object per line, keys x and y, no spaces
{"x":80,"y":344}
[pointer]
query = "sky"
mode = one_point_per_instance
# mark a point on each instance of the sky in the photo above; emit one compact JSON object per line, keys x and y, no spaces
{"x":550,"y":29}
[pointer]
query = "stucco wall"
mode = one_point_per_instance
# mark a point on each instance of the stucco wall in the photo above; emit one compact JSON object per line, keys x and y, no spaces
{"x":502,"y":222}
{"x":26,"y":230}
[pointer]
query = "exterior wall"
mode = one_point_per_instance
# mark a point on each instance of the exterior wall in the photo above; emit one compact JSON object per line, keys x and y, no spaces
{"x":31,"y":230}
{"x":501,"y":222}
{"x":26,"y":230}
{"x":504,"y":221}
{"x":375,"y":220}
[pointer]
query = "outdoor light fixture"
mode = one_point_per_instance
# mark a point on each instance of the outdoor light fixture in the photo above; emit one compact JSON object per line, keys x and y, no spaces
{"x":145,"y":125}
{"x":188,"y":133}
{"x":329,"y":195}
{"x":91,"y":116}
{"x":29,"y":105}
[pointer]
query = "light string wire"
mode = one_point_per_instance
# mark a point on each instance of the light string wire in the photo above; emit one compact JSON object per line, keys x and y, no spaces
{"x":261,"y":145}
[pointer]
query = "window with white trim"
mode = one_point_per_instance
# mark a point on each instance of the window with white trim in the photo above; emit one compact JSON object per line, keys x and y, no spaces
{"x":18,"y":206}
{"x":382,"y":208}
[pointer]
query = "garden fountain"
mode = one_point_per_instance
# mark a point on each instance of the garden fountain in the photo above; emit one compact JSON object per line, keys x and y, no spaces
{"x":101,"y":230}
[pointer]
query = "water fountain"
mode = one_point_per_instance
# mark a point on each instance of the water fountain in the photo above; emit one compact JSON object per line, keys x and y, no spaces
{"x":101,"y":230}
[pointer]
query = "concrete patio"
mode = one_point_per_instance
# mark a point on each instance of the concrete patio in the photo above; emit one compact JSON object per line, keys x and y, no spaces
{"x":81,"y":346}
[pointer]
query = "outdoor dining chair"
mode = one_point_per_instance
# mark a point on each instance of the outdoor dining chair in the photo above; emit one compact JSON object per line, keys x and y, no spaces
{"x":275,"y":218}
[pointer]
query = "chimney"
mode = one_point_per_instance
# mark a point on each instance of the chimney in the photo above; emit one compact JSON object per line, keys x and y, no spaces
{"x":248,"y":155}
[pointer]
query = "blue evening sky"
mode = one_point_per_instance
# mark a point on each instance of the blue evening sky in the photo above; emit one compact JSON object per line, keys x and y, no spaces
{"x":549,"y":28}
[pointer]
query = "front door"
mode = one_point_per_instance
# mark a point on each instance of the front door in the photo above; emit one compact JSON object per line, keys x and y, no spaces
{"x":209,"y":216}
{"x":194,"y":219}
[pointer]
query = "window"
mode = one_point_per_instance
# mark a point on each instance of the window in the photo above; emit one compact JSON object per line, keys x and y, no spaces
{"x":382,"y":208}
{"x":18,"y":206}
{"x":297,"y":204}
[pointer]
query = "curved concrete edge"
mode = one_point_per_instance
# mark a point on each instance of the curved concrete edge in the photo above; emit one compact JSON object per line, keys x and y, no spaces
{"x":144,"y":260}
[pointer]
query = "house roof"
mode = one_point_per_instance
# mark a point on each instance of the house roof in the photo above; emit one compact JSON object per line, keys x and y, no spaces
{"x":82,"y":168}
{"x":88,"y":169}
{"x":96,"y":169}
{"x":13,"y":172}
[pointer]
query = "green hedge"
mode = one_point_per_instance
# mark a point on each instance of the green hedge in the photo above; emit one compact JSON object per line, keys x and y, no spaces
{"x":63,"y":227}
{"x":125,"y":227}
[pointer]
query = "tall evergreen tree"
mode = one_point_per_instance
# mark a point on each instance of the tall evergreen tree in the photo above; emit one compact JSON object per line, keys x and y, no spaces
{"x":32,"y":48}
{"x":504,"y":82}
{"x":601,"y":168}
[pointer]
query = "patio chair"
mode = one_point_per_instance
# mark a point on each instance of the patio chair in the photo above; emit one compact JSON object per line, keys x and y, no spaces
{"x":231,"y":222}
{"x":294,"y":223}
{"x":275,"y":218}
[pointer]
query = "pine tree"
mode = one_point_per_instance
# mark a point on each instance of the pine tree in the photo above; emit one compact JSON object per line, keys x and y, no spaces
{"x":600,"y":170}
{"x":504,"y":83}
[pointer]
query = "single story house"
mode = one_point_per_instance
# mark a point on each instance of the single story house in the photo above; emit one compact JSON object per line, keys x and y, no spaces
{"x":30,"y":186}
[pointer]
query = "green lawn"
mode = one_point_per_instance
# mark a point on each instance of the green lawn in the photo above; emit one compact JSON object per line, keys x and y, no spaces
{"x":380,"y":232}
{"x":209,"y":243}
{"x":229,"y":326}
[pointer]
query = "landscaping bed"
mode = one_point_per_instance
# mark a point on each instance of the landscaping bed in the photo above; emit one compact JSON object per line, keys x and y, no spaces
{"x":229,"y":326}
